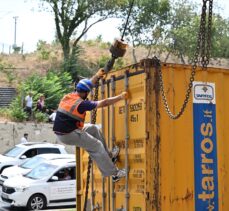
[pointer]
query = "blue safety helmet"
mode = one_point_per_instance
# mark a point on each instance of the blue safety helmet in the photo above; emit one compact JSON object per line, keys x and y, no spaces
{"x":84,"y":85}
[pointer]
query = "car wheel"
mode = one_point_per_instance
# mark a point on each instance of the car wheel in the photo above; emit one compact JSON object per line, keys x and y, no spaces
{"x":37,"y":202}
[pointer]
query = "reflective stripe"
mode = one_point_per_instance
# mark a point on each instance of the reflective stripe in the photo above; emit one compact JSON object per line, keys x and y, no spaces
{"x":75,"y":104}
{"x":82,"y":82}
{"x":70,"y":114}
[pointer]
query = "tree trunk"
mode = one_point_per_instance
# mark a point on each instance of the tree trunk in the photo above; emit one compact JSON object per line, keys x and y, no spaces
{"x":149,"y":51}
{"x":167,"y":57}
{"x":182,"y":58}
{"x":66,"y":51}
{"x":134,"y":54}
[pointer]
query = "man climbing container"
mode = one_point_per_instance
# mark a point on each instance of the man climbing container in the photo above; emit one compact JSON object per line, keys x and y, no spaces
{"x":70,"y":129}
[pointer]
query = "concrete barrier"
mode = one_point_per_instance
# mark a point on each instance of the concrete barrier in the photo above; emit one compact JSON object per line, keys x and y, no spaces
{"x":11,"y":133}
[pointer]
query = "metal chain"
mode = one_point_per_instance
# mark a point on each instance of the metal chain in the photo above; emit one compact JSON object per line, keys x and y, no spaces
{"x":203,"y":34}
{"x":93,"y":121}
{"x":201,"y":45}
{"x":209,"y":35}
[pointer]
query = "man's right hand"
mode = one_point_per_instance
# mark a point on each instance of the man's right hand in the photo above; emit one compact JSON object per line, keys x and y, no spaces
{"x":101,"y":73}
{"x":112,"y":100}
{"x":124,"y":95}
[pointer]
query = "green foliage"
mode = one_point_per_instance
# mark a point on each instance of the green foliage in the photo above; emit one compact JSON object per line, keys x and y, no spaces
{"x":75,"y":18}
{"x":42,"y":49}
{"x":220,"y":38}
{"x":104,"y":45}
{"x":17,"y":113}
{"x":146,"y":17}
{"x":99,"y":39}
{"x":74,"y":66}
{"x":103,"y":60}
{"x":41,"y":117}
{"x":71,"y":64}
{"x":181,"y":37}
{"x":91,"y":43}
{"x":119,"y":63}
{"x":5,"y":113}
{"x":53,"y":86}
{"x":10,"y":75}
{"x":8,"y":71}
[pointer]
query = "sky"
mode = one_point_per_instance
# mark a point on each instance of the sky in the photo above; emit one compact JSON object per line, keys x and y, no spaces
{"x":34,"y":25}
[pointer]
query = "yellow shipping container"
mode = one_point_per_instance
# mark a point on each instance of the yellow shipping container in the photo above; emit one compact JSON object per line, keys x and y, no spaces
{"x":174,"y":165}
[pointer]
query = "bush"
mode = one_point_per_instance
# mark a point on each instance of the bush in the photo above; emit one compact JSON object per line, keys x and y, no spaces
{"x":91,"y":43}
{"x":41,"y":117}
{"x":119,"y":63}
{"x":42,"y":49}
{"x":17,"y":113}
{"x":103,"y":60}
{"x":104,"y":45}
{"x":8,"y":71}
{"x":5,"y":113}
{"x":53,"y":86}
{"x":99,"y":38}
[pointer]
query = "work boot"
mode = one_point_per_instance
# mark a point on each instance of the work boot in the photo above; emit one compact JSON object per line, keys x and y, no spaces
{"x":121,"y":173}
{"x":114,"y":153}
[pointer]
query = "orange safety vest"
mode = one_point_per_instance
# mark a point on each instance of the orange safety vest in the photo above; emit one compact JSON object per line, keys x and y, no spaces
{"x":69,"y":106}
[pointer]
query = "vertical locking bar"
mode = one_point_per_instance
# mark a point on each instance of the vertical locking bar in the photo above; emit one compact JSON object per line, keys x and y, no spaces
{"x":109,"y":143}
{"x":92,"y":187}
{"x":79,"y":179}
{"x":103,"y":131}
{"x":92,"y":172}
{"x":113,"y":136}
{"x":127,"y":195}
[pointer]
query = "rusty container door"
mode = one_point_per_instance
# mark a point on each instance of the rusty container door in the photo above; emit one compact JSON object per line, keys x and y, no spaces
{"x":173,"y":165}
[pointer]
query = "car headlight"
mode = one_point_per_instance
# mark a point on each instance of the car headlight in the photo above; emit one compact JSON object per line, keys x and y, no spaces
{"x":21,"y":189}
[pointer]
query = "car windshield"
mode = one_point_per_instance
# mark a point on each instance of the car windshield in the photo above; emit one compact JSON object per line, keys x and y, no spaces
{"x":41,"y":171}
{"x":32,"y":163}
{"x":14,"y":152}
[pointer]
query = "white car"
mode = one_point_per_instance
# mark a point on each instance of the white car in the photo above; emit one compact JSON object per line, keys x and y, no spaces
{"x":52,"y":183}
{"x":28,"y":165}
{"x":21,"y":152}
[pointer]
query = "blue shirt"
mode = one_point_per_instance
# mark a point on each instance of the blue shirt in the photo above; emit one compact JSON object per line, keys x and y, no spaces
{"x":65,"y":124}
{"x":86,"y":105}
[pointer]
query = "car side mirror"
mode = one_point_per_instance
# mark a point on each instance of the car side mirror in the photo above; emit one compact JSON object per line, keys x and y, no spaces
{"x":23,"y":157}
{"x":54,"y":179}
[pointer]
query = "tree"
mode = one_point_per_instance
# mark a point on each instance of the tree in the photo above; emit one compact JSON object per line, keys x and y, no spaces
{"x":220,"y":37}
{"x":73,"y":19}
{"x":146,"y":23}
{"x":181,"y":37}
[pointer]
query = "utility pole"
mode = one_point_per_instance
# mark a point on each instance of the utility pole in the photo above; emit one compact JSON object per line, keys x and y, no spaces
{"x":15,"y":31}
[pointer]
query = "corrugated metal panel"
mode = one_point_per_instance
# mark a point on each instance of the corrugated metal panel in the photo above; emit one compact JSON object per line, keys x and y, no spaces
{"x":161,"y":151}
{"x":7,"y":94}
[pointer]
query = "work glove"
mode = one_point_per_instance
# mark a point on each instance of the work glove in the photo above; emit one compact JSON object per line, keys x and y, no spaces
{"x":101,"y":73}
{"x":124,"y":95}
